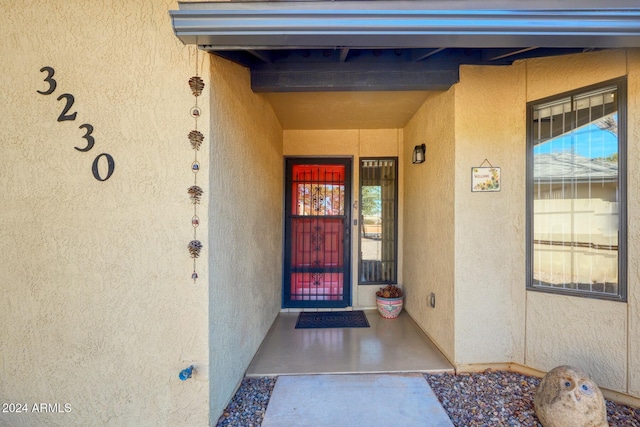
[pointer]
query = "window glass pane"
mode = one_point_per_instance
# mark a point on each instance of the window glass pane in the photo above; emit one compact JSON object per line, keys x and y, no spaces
{"x":575,"y":223}
{"x":378,"y":225}
{"x":320,"y":199}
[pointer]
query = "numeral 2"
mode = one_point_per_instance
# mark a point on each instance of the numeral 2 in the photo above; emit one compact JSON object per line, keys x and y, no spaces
{"x":70,"y":100}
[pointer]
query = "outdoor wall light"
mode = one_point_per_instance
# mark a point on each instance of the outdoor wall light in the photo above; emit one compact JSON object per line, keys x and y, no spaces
{"x":418,"y":153}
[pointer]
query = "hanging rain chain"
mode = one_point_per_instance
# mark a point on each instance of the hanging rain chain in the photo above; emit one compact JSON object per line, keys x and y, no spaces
{"x":195,"y":192}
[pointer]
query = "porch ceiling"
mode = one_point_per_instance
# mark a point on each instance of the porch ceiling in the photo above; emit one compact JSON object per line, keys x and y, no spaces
{"x":389,"y":46}
{"x":345,"y":110}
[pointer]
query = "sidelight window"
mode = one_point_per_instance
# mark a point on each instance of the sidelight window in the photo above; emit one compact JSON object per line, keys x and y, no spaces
{"x":378,"y":221}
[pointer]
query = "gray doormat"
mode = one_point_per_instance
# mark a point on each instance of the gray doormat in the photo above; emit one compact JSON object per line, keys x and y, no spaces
{"x":332,"y":319}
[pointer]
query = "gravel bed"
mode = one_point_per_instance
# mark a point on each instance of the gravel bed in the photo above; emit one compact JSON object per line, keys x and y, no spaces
{"x":248,"y":405}
{"x":492,"y":398}
{"x":497,"y":398}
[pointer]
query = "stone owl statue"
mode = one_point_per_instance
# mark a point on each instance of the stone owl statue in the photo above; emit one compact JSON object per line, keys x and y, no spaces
{"x":567,"y":397}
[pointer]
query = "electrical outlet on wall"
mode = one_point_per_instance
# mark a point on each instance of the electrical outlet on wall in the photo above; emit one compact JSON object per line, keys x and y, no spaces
{"x":432,"y":300}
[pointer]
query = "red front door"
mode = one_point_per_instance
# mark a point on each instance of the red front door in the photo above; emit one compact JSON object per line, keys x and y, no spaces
{"x":317,"y":261}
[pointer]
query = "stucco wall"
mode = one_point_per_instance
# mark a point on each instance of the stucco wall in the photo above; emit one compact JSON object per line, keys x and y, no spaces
{"x":496,"y":320}
{"x":633,"y":220}
{"x":490,"y":227}
{"x":591,"y":334}
{"x":429,"y":228}
{"x":97,"y":306}
{"x":357,"y":143}
{"x":246,"y":226}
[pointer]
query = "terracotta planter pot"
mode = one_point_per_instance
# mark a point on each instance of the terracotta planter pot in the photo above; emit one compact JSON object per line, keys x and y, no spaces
{"x":389,"y":308}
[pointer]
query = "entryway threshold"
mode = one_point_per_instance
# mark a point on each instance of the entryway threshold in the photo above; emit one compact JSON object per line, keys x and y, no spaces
{"x":387,"y":346}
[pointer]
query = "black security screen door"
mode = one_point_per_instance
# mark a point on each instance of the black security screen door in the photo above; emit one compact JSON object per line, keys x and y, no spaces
{"x":317,"y":270}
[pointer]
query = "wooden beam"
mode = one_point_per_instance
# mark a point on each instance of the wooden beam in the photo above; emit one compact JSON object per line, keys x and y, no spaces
{"x":496,"y":54}
{"x":348,"y":76}
{"x":261,"y":55}
{"x":507,"y":56}
{"x":343,"y":54}
{"x":420,"y":54}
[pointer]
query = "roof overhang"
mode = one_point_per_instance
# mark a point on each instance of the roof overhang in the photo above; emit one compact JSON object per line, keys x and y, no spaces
{"x":408,"y":24}
{"x":414,"y":45}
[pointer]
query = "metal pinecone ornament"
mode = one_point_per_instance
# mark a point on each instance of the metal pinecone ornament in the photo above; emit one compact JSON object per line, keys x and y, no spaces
{"x":195,"y":193}
{"x":196,"y":137}
{"x":194,"y":248}
{"x":196,"y":84}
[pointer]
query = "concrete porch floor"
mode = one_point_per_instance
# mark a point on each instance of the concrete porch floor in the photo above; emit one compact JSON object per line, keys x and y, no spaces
{"x":388,"y":345}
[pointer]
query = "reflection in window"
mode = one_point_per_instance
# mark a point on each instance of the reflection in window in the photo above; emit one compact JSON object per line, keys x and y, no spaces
{"x":320,"y":199}
{"x":575,"y":196}
{"x":378,"y":224}
{"x":318,"y":190}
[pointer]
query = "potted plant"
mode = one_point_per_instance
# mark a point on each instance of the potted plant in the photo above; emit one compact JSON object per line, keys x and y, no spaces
{"x":389,"y":301}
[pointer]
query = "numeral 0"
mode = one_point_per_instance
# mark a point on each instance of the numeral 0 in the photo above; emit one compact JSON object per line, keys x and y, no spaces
{"x":110,"y":166}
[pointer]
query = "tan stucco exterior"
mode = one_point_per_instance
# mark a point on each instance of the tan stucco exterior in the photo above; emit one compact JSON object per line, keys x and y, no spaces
{"x":592,"y":334}
{"x":98,"y":310}
{"x":429,"y":231}
{"x":633,"y":219}
{"x":478,"y":273}
{"x":489,"y":263}
{"x":247,"y":189}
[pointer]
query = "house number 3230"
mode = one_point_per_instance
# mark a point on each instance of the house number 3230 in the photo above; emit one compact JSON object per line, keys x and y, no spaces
{"x":67,"y":115}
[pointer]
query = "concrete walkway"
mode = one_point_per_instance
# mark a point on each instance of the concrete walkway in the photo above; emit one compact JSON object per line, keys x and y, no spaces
{"x":354,"y":400}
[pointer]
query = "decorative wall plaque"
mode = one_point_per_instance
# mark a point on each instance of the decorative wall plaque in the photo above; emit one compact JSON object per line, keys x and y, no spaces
{"x":485,"y":179}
